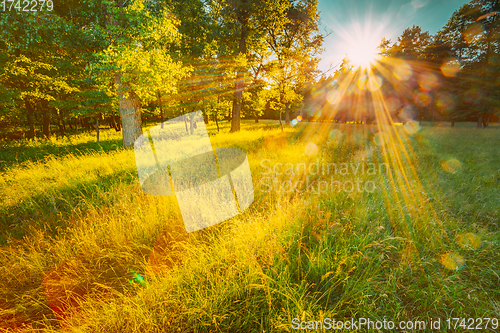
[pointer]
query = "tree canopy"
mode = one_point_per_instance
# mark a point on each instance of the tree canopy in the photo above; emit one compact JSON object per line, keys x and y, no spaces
{"x":128,"y":61}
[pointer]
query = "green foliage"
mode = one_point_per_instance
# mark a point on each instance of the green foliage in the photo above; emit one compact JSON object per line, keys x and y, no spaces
{"x":35,"y":79}
{"x":254,"y":103}
{"x":146,"y":71}
{"x":294,"y":41}
{"x":412,"y":43}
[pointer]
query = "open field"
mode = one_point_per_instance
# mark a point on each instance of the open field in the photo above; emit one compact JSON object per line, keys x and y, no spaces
{"x":346,"y":223}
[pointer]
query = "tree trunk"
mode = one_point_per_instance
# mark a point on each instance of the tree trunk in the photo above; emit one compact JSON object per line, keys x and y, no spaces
{"x":282,"y":98}
{"x":238,"y":86}
{"x":287,"y":113}
{"x":61,"y":125}
{"x":480,"y":121}
{"x":86,"y":124}
{"x":452,"y":123}
{"x":129,"y":112}
{"x":39,"y":121}
{"x":30,"y":118}
{"x":161,"y":109}
{"x":118,"y":124}
{"x":486,"y":120}
{"x":192,"y":124}
{"x":97,"y":126}
{"x":114,"y":124}
{"x":46,"y":124}
{"x":236,"y":117}
{"x":216,"y":122}
{"x":256,"y":119}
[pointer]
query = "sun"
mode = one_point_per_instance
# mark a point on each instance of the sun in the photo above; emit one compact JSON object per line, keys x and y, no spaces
{"x":360,"y":42}
{"x":363,"y":52}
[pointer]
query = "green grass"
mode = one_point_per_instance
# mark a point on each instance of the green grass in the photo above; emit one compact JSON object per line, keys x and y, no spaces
{"x":74,"y":223}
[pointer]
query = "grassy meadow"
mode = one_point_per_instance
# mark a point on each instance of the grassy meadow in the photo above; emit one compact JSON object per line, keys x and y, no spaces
{"x":348,"y":221}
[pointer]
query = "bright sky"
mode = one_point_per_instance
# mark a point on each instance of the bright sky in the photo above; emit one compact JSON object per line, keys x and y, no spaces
{"x":359,"y":25}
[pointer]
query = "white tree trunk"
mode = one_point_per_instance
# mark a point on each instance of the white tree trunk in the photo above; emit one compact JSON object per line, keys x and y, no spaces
{"x":128,"y":103}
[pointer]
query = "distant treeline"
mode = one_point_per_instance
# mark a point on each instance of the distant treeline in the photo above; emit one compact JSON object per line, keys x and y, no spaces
{"x":87,"y":64}
{"x":84,"y":63}
{"x":451,"y":76}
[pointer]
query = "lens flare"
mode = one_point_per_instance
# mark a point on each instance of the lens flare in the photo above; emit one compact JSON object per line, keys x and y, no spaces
{"x":402,"y":71}
{"x":362,"y":82}
{"x":335,"y":135}
{"x":451,"y":166}
{"x":445,"y":102}
{"x":450,"y":67}
{"x":407,"y":113}
{"x":452,"y":261}
{"x":411,"y":127}
{"x":469,"y":241}
{"x":333,"y":97}
{"x":421,"y":98}
{"x":428,"y":81}
{"x":474,"y":33}
{"x":311,"y":149}
{"x":473,"y":95}
{"x":374,"y":83}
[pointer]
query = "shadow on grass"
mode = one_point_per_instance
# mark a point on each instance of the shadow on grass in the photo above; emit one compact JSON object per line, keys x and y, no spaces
{"x":20,"y":151}
{"x":51,"y":211}
{"x":25,"y":151}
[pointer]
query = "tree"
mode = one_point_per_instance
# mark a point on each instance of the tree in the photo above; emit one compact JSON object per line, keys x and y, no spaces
{"x":470,"y":37}
{"x":35,"y":68}
{"x":242,"y":11}
{"x":254,"y":98}
{"x":237,"y":28}
{"x":292,"y":35}
{"x":411,"y":45}
{"x":36,"y":86}
{"x":141,"y":65}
